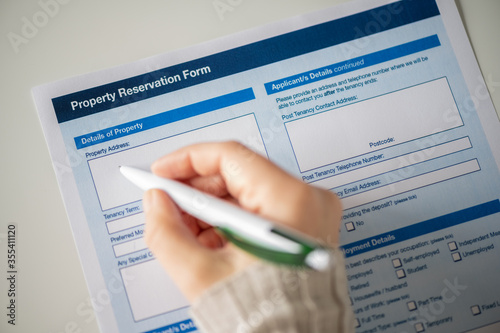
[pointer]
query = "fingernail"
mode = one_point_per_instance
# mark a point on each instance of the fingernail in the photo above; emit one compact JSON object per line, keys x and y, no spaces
{"x":148,"y":200}
{"x":156,"y":164}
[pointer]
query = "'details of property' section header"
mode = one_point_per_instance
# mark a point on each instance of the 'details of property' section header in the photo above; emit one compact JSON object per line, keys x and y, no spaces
{"x":264,"y":52}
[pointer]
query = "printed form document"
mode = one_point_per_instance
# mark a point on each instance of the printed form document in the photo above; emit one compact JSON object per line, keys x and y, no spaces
{"x":381,"y":102}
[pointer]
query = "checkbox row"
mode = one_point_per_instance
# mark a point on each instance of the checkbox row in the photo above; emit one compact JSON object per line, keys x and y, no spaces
{"x":456,"y":256}
{"x":476,"y":310}
{"x":349,"y":226}
{"x":400,"y":273}
{"x":396,"y":263}
{"x":412,"y":305}
{"x":419,"y":327}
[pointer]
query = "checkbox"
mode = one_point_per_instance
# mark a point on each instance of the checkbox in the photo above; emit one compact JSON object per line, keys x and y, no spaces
{"x":476,"y":310}
{"x":350,"y":226}
{"x":412,"y":306}
{"x":419,"y":327}
{"x":397,"y":263}
{"x":452,"y":246}
{"x":400,"y":273}
{"x":456,"y":256}
{"x":357,"y":323}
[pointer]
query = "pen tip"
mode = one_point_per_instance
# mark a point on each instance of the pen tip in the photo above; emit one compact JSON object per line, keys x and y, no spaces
{"x":318,"y":259}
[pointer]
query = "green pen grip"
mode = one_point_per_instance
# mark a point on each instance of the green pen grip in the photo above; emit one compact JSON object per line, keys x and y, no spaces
{"x":278,"y":257}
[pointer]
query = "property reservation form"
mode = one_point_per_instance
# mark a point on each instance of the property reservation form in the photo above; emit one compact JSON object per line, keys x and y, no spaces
{"x":381,"y":102}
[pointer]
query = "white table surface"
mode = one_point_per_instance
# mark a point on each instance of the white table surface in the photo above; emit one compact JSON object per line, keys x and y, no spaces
{"x":86,"y":36}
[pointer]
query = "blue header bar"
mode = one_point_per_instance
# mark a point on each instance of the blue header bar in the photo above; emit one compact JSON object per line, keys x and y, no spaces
{"x":422,"y":228}
{"x":271,"y":50}
{"x":352,"y":64}
{"x":163,"y":118}
{"x":182,"y":326}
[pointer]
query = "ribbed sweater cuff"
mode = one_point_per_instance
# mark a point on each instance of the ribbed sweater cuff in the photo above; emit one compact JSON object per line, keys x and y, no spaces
{"x":269,"y":298}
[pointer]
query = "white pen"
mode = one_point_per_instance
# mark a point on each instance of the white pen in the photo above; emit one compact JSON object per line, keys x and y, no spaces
{"x":250,"y":232}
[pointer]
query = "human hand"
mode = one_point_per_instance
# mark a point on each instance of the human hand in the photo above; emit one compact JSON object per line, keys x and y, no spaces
{"x":192,"y":252}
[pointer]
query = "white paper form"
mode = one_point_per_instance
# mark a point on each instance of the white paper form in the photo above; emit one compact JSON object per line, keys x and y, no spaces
{"x":374,"y":100}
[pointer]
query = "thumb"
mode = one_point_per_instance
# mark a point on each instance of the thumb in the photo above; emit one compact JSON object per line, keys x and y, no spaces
{"x":165,"y":232}
{"x":177,"y":248}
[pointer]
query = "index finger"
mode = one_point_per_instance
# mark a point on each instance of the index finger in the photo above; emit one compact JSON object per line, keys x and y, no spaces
{"x":240,"y":168}
{"x":257,"y":184}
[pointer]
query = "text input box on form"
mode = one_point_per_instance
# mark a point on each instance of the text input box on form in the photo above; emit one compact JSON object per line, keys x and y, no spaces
{"x":114,"y":190}
{"x":128,"y":247}
{"x":394,"y":163}
{"x":409,"y":184}
{"x":125,"y":223}
{"x":150,"y":290}
{"x":357,"y":128}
